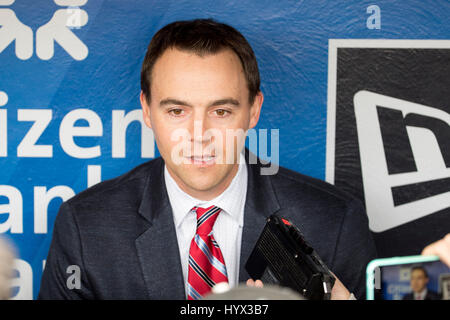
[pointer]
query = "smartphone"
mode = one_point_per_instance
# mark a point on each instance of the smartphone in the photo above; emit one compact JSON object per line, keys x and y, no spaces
{"x":408,"y":278}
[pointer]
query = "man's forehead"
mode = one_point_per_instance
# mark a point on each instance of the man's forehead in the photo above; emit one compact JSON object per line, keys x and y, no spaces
{"x":181,"y":73}
{"x":418,"y":272}
{"x":174,"y":58}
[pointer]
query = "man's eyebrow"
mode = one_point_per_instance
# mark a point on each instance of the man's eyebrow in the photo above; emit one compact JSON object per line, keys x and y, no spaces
{"x":224,"y":101}
{"x":220,"y":102}
{"x":171,"y":101}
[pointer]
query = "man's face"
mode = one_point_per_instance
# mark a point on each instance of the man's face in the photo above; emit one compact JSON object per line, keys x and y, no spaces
{"x":418,"y":280}
{"x":200,"y":112}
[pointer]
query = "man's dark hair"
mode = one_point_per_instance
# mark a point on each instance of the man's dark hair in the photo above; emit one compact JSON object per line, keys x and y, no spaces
{"x":201,"y":36}
{"x":420,"y":268}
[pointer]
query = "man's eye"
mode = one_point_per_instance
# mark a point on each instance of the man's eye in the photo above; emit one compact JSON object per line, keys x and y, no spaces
{"x":221,"y":112}
{"x":176,"y":112}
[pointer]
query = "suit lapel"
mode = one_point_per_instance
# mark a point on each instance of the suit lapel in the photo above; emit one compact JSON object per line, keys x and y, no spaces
{"x":157,"y":246}
{"x":260,"y":203}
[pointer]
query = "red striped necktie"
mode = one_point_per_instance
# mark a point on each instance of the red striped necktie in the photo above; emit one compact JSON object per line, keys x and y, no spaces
{"x":206,"y":263}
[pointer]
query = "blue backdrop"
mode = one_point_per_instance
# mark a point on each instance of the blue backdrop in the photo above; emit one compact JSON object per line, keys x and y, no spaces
{"x":100,"y":74}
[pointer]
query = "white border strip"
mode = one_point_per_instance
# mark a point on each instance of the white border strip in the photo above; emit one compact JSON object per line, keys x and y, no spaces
{"x":333,"y":45}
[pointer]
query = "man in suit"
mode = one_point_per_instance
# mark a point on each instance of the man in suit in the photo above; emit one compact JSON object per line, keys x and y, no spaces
{"x":174,"y":226}
{"x":418,"y":282}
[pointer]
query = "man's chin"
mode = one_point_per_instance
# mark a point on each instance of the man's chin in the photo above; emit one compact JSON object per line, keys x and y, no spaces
{"x":201,"y":184}
{"x":205,"y":182}
{"x":202,"y":179}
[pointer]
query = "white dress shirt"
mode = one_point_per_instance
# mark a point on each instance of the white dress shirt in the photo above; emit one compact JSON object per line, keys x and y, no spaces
{"x":420,"y":295}
{"x":227,"y":230}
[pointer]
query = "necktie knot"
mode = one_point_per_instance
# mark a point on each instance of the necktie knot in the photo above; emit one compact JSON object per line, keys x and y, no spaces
{"x":206,"y":217}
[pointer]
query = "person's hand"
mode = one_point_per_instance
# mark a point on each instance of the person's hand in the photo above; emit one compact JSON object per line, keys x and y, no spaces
{"x":441,"y":248}
{"x":338,"y":292}
{"x":257,"y":283}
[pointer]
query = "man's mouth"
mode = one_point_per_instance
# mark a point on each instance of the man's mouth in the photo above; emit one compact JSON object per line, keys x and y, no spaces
{"x":202,"y":160}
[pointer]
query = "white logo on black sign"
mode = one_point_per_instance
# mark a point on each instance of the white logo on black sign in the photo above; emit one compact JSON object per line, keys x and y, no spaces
{"x":388,"y":135}
{"x":421,"y":185}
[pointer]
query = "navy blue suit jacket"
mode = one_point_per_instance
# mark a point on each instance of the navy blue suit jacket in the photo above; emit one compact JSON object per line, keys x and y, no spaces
{"x":431,"y":295}
{"x":121,"y":234}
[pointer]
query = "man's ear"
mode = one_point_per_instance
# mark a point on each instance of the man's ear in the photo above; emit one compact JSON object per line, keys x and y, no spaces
{"x":255,"y":110}
{"x":145,"y":109}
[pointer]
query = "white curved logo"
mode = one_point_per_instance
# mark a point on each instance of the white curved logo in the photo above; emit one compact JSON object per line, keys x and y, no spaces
{"x":58,"y":29}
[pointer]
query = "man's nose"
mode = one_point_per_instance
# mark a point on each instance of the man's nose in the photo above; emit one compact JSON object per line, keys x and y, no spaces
{"x":197,"y":131}
{"x":199,"y":128}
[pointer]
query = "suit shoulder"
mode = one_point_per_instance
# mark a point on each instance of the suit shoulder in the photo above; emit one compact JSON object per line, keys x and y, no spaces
{"x":433,"y":295}
{"x":292,"y":184}
{"x":131,"y":182}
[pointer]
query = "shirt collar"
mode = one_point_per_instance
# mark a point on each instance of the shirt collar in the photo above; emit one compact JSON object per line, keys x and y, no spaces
{"x":230,"y":201}
{"x":422,"y":294}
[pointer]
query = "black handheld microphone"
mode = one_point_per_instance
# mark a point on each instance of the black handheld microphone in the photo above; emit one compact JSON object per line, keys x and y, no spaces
{"x":282,"y":256}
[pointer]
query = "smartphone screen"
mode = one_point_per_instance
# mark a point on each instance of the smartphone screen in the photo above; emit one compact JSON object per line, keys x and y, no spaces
{"x":413,"y":281}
